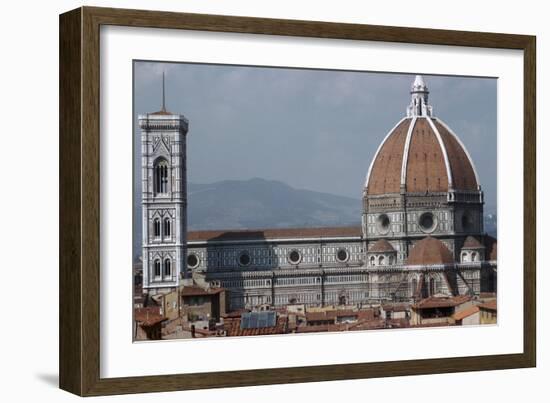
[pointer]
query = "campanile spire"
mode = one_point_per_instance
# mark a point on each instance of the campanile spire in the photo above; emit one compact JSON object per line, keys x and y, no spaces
{"x":163,"y":97}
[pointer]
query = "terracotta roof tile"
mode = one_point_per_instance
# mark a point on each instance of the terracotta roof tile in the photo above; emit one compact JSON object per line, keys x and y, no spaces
{"x":466,"y":312}
{"x":148,"y":316}
{"x":490,"y":305}
{"x":195,"y":290}
{"x":385,"y":176}
{"x":332,"y":315}
{"x":382,"y":245}
{"x":472,"y":243}
{"x":430,"y":251}
{"x":320,"y":316}
{"x":395,"y":307}
{"x":441,"y":302}
{"x":232,"y":327}
{"x":426,"y":169}
{"x":464,"y":177}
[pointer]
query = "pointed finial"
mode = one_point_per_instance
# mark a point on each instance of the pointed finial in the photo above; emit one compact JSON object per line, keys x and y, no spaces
{"x":163,"y":99}
{"x":419,"y":84}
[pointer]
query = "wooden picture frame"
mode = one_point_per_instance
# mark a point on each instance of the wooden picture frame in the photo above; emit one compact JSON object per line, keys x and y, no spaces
{"x":79,"y":346}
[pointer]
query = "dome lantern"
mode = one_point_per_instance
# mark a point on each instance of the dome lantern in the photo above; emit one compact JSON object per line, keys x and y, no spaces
{"x":419,"y":99}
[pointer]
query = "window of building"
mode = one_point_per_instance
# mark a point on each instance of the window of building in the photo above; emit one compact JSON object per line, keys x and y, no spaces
{"x":166,"y":226}
{"x":167,"y":268}
{"x":372,"y":260}
{"x":294,"y":257}
{"x":467,"y":222}
{"x":414,"y":285}
{"x":427,"y":221}
{"x":342,"y":255}
{"x":381,"y":260}
{"x":244,"y":258}
{"x":160,"y":179}
{"x":383,"y":222}
{"x":156,"y":267}
{"x":156,"y":227}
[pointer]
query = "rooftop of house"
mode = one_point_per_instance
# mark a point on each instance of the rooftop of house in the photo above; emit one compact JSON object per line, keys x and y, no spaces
{"x":232,"y":326}
{"x":464,"y":313}
{"x":489,"y":305}
{"x":194,"y":290}
{"x":148,"y":316}
{"x":441,"y":302}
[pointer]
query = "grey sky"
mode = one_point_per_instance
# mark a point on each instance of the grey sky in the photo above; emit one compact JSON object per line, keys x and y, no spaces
{"x":312,"y":129}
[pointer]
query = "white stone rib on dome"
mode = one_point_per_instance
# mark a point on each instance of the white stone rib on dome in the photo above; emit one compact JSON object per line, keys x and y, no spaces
{"x":444,"y":151}
{"x":406,"y":152}
{"x":463,"y":147}
{"x":378,"y":151}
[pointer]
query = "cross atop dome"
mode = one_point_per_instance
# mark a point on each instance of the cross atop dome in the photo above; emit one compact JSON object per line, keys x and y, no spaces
{"x":419,"y":99}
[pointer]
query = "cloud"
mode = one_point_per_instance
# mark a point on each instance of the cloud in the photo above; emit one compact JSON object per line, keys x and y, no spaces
{"x":312,"y":129}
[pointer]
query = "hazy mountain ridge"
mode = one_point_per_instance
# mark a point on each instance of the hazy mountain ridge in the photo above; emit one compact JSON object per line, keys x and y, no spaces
{"x":260,"y":203}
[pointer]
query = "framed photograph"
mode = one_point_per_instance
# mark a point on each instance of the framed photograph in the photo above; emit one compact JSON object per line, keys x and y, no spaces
{"x":249,"y":201}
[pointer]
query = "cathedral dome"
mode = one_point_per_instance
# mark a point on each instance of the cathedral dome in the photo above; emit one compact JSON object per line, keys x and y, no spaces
{"x":382,"y":245}
{"x":472,"y":243}
{"x":421,"y":154}
{"x":430,"y":251}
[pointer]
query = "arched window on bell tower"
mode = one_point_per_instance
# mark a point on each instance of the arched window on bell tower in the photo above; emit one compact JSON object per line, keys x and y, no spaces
{"x":156,"y":267}
{"x":167,"y":268}
{"x":160,"y":176}
{"x":166,"y":228}
{"x":156,"y":228}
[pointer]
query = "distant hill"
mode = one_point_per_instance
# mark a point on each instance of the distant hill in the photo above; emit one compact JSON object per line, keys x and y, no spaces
{"x":260,"y":203}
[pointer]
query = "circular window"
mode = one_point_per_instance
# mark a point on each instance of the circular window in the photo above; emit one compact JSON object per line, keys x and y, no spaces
{"x":294,"y":257}
{"x":192,"y":260}
{"x":244,"y":259}
{"x":342,"y":255}
{"x":427,"y":222}
{"x":383,"y":223}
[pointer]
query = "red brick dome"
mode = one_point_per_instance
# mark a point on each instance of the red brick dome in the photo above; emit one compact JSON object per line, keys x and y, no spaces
{"x":472,"y":243}
{"x":382,"y":245}
{"x":430,"y":251}
{"x":421,"y":154}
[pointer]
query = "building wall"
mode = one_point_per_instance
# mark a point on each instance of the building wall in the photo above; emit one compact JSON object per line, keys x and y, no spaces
{"x":455,"y":215}
{"x":472,"y":320}
{"x":487,"y":317}
{"x":264,"y":254}
{"x":270,"y":278}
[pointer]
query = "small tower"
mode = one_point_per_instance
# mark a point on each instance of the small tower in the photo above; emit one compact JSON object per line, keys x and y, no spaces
{"x":419,"y":99}
{"x":164,"y":198}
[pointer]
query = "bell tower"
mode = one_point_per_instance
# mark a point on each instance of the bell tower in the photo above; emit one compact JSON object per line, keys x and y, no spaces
{"x":164,"y":198}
